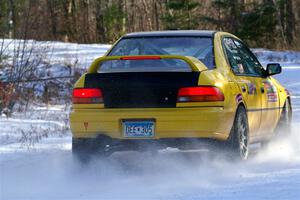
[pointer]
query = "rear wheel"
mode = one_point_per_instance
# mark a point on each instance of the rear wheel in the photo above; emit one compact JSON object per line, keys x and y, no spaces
{"x":284,"y":125}
{"x":84,"y":149}
{"x":81,"y":150}
{"x":283,"y":128}
{"x":239,"y":136}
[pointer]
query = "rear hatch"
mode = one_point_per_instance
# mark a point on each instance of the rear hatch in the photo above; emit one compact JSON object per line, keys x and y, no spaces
{"x":141,"y":89}
{"x":130,"y":82}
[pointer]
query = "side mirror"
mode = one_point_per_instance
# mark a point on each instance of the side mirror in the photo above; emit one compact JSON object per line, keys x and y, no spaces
{"x":273,"y":68}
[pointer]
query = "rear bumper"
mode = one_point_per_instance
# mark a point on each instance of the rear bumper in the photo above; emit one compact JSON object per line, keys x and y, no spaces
{"x":194,"y":122}
{"x":103,"y":143}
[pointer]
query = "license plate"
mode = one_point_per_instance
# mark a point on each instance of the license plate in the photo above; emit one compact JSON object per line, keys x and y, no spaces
{"x":138,"y":128}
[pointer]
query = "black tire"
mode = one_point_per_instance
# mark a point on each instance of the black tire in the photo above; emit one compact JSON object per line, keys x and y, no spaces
{"x":81,"y":150}
{"x":84,"y":150}
{"x":238,"y":143}
{"x":283,"y":128}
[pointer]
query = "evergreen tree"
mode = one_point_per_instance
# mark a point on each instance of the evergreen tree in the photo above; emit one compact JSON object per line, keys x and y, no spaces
{"x":113,"y":18}
{"x":179,"y":14}
{"x":255,"y":25}
{"x":259,"y":25}
{"x":228,"y":17}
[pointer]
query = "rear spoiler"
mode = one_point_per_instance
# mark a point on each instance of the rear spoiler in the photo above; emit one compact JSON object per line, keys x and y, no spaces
{"x":195,"y":64}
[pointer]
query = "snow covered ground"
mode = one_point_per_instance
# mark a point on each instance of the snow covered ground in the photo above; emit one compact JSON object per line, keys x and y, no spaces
{"x":83,"y":54}
{"x":40,"y":165}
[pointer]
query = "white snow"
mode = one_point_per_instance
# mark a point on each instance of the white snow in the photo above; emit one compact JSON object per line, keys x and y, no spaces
{"x":285,"y":58}
{"x":48,"y":172}
{"x":45,"y":169}
{"x":83,"y":54}
{"x":58,"y":52}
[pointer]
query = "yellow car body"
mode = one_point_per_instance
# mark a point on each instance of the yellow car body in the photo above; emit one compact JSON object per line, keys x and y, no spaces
{"x":262,"y":96}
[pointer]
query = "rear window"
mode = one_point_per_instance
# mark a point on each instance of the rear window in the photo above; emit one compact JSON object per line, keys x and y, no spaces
{"x":161,"y":65}
{"x":199,"y":47}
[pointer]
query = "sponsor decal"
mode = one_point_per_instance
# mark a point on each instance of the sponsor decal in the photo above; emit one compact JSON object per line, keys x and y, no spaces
{"x":271,"y":91}
{"x":251,"y":88}
{"x":238,"y":98}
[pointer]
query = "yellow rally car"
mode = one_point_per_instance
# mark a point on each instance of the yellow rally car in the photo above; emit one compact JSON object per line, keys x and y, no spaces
{"x":180,"y":89}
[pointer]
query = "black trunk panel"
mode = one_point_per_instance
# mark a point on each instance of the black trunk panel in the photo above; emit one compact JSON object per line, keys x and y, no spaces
{"x":141,"y":89}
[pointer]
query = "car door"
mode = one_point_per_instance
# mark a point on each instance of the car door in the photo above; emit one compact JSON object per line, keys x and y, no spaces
{"x":248,"y":78}
{"x":270,"y":107}
{"x":267,"y":91}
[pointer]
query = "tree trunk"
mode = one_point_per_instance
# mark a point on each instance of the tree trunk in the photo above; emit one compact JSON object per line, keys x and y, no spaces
{"x":53,"y":16}
{"x":290,"y":22}
{"x":13,"y":18}
{"x":100,"y":30}
{"x":68,"y":12}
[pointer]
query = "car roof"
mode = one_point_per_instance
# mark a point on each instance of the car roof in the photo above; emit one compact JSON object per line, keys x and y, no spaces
{"x":200,"y":33}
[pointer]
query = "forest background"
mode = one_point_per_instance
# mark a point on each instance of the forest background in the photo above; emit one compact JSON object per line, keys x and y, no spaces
{"x":273,"y":24}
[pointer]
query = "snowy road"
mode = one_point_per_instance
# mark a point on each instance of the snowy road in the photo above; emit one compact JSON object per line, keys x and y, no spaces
{"x":47,"y":170}
{"x":53,"y":175}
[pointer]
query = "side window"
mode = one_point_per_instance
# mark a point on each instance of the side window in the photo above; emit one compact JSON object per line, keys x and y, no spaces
{"x":234,"y":58}
{"x":250,"y":62}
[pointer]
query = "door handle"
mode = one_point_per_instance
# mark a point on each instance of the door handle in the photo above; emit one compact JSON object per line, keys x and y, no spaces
{"x":262,"y":89}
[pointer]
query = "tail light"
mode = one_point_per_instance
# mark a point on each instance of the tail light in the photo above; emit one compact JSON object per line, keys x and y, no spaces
{"x":87,"y":96}
{"x":199,"y":94}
